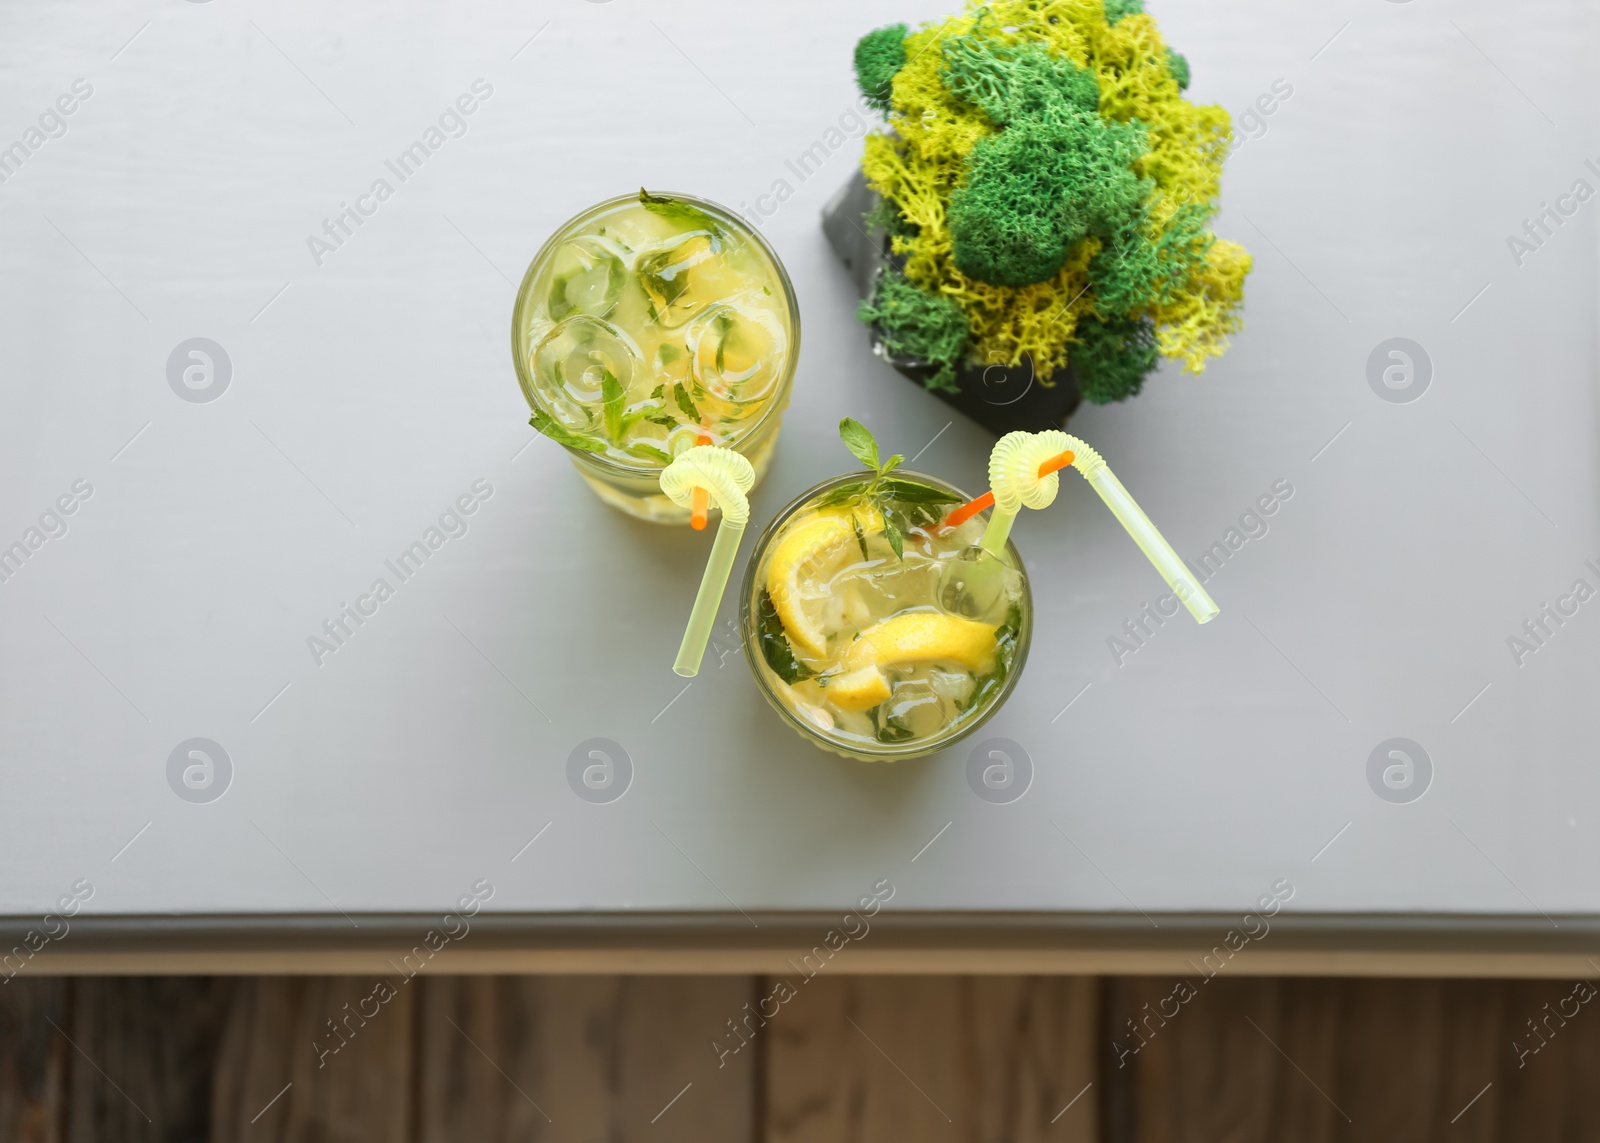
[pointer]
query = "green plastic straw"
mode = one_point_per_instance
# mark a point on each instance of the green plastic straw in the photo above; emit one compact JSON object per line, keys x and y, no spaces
{"x":997,"y":533}
{"x":712,"y":584}
{"x":1040,"y":447}
{"x":725,"y":477}
{"x":1153,"y":544}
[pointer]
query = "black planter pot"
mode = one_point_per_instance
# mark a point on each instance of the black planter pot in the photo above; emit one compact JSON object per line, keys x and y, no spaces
{"x":1000,"y":398}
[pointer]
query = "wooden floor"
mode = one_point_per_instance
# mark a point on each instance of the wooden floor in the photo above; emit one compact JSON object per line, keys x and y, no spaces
{"x":783,"y":1060}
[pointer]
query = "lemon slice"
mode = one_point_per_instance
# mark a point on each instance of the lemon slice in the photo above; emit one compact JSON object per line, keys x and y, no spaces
{"x":858,"y":690}
{"x":805,"y":553}
{"x":921,"y":636}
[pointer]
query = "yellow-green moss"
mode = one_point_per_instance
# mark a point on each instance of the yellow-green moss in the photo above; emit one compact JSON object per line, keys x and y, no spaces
{"x":990,"y":71}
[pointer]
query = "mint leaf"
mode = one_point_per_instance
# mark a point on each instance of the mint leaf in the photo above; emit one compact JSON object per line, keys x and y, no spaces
{"x":860,"y":442}
{"x":890,"y":729}
{"x":861,"y":537}
{"x":611,"y":393}
{"x":891,"y":464}
{"x":1005,"y":657}
{"x":1006,"y":637}
{"x":559,"y":433}
{"x":775,"y":646}
{"x":844,"y":494}
{"x":985,"y":689}
{"x":647,"y":452}
{"x":892,"y":534}
{"x":681,"y":395}
{"x":909,"y":492}
{"x":682,"y":213}
{"x":560,"y":307}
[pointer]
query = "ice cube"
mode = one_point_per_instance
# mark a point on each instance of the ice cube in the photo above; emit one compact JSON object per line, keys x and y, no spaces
{"x":856,"y":611}
{"x":571,"y":361}
{"x":815,"y":714}
{"x":888,"y":584}
{"x":915,"y":705}
{"x":953,"y":686}
{"x":668,"y":273}
{"x":586,"y":277}
{"x":976,"y":585}
{"x":735,"y":353}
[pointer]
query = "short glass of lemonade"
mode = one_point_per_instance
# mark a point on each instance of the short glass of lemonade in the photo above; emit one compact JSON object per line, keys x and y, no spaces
{"x":648,"y":324}
{"x":873,"y":630}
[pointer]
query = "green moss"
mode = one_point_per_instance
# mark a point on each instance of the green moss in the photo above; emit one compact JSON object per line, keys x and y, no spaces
{"x":879,"y":55}
{"x":1011,"y":83}
{"x":1179,"y":67}
{"x":1134,"y":272}
{"x":885,"y":215}
{"x":915,"y":323}
{"x":1038,"y":188}
{"x":1113,"y":358}
{"x":1059,"y":183}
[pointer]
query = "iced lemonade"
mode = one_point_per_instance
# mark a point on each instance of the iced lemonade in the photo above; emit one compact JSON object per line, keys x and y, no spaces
{"x":873,"y":630}
{"x":648,"y":325}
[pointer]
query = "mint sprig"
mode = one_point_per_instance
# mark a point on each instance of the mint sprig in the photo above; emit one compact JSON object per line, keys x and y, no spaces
{"x":860,"y":441}
{"x":880,"y":491}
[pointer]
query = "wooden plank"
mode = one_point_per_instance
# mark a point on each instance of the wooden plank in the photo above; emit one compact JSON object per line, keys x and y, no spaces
{"x":1330,"y":1061}
{"x":174,"y":1060}
{"x":323,"y":1058}
{"x":963,"y":1058}
{"x":1551,"y":1071}
{"x":140,"y":1062}
{"x":954,"y":1058}
{"x":574,"y":1058}
{"x":32,"y":1058}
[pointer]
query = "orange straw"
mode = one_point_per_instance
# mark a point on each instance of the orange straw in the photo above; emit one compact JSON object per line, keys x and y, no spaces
{"x":971,"y":508}
{"x":702,"y":498}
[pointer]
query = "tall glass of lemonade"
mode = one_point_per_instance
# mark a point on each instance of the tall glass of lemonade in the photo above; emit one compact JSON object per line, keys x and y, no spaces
{"x":649,"y":324}
{"x":875,"y":631}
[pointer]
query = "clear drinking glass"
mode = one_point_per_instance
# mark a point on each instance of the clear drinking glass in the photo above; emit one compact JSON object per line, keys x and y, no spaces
{"x":650,"y":323}
{"x":872,"y":655}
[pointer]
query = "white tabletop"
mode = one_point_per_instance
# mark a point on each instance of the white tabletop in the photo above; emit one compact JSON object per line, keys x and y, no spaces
{"x":370,"y":387}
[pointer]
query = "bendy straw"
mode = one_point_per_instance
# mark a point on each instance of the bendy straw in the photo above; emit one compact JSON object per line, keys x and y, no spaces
{"x":1022,"y":472}
{"x":709,"y":476}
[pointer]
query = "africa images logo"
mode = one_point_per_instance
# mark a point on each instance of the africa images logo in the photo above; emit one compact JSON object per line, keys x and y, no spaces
{"x":199,"y":770}
{"x":1399,"y":770}
{"x":199,"y":370}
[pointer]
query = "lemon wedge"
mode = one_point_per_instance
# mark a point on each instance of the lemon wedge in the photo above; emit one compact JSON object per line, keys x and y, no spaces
{"x":805,"y":553}
{"x":921,"y":636}
{"x":861,"y":689}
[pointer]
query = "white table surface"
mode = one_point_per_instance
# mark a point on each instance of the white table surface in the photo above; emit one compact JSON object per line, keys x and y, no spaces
{"x":371,"y":391}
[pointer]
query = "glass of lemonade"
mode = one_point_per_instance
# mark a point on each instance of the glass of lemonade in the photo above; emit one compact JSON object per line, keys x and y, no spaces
{"x":877,"y":653}
{"x":649,"y":324}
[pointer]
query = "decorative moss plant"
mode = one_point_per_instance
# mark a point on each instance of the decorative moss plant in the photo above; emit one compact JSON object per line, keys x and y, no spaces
{"x":1047,"y":190}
